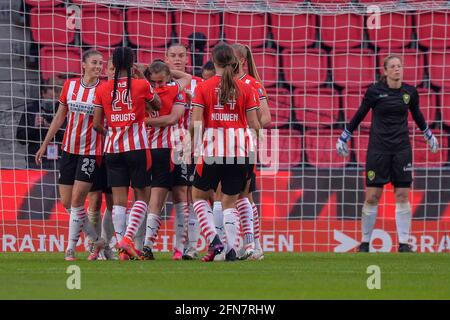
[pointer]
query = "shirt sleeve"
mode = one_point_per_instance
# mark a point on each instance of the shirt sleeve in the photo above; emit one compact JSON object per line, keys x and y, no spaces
{"x":262,"y":94}
{"x":415,"y":111}
{"x":197,"y":99}
{"x":252,"y":102}
{"x":98,"y":97}
{"x":180,"y":98}
{"x":366,"y":104}
{"x":63,"y":95}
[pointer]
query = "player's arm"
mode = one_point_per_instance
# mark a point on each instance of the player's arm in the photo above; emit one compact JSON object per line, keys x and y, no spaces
{"x":98,"y":119}
{"x":264,"y":116}
{"x":56,"y":124}
{"x":182,"y":78}
{"x":366,"y":104}
{"x":421,"y":123}
{"x":167,"y":120}
{"x":154,"y":104}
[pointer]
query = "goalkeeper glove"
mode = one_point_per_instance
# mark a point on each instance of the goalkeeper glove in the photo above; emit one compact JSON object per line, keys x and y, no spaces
{"x":431,"y":140}
{"x":341,"y":145}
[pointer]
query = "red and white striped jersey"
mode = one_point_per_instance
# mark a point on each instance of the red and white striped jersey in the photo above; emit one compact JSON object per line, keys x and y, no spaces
{"x":80,"y":137}
{"x":260,"y":90}
{"x":125,"y":115}
{"x":170,"y":94}
{"x":226,"y":130}
{"x":189,"y":93}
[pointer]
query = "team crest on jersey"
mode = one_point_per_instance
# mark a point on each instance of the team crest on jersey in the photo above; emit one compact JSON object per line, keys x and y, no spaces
{"x":180,"y":96}
{"x":371,"y":175}
{"x":406,"y":98}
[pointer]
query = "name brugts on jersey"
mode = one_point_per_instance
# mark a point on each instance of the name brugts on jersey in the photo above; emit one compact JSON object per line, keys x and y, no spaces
{"x":123,"y":117}
{"x":224,"y":116}
{"x":81,"y":107}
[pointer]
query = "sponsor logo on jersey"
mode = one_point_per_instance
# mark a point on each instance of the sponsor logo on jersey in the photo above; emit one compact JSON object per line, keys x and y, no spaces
{"x":371,"y":175}
{"x":406,"y":98}
{"x":81,"y":107}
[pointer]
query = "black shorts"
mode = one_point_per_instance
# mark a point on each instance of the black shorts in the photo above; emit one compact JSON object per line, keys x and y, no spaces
{"x":78,"y":167}
{"x":128,"y":168}
{"x":161,"y":173}
{"x":181,"y":176}
{"x":232,"y":175}
{"x":101,"y":180}
{"x":382,"y":168}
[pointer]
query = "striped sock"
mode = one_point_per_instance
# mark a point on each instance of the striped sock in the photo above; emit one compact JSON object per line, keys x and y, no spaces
{"x":256,"y":227}
{"x":76,"y":224}
{"x":151,"y":233}
{"x":137,"y":215}
{"x":246,"y":214}
{"x":205,"y":219}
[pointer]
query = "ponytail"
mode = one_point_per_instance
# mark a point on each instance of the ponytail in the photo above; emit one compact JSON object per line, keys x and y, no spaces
{"x":224,"y":57}
{"x":252,"y":71}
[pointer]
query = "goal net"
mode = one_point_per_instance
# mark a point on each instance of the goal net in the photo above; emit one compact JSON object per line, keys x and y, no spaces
{"x":316,"y":59}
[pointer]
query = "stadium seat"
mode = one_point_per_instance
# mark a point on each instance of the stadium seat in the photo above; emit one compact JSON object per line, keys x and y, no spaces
{"x":49,"y":26}
{"x":394,"y":32}
{"x":280,"y":106}
{"x":445,"y":108}
{"x":342,"y":31}
{"x":433,"y":29}
{"x":320,"y":147}
{"x":329,"y":1}
{"x":352,"y":101}
{"x":59,"y":60}
{"x":101,"y":26}
{"x":316,"y":108}
{"x":43,"y":3}
{"x":413,"y":64}
{"x":305,"y":69}
{"x":439,"y":67}
{"x":376,"y":1}
{"x":353,"y":69}
{"x":205,"y":22}
{"x":245,"y":28}
{"x":422,"y":157}
{"x":289,"y":147}
{"x":147,"y":56}
{"x":148,"y":28}
{"x":294,"y":31}
{"x":267,"y":64}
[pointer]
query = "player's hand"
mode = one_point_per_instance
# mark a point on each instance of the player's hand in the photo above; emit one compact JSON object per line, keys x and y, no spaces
{"x":138,"y":70}
{"x":341,"y":144}
{"x":39,"y":154}
{"x":431,"y":140}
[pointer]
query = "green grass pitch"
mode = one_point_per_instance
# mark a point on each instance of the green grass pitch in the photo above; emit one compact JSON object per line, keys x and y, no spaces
{"x":279,"y":276}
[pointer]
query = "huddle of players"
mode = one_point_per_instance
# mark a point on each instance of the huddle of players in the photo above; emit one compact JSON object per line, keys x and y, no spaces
{"x":129,"y":129}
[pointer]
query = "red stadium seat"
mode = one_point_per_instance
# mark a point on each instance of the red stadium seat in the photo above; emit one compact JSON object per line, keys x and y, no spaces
{"x":205,"y":22}
{"x":439,"y":66}
{"x":288,"y":149}
{"x":413,"y":64}
{"x":329,"y":1}
{"x":354,"y":68}
{"x":280,"y":106}
{"x":147,"y":56}
{"x":294,"y":31}
{"x":245,"y":28}
{"x":422,"y":157}
{"x":433,"y":29}
{"x":445,"y":108}
{"x":148,"y":28}
{"x":352,"y":102}
{"x":101,"y":26}
{"x":49,"y":26}
{"x":320,"y":147}
{"x":394,"y":32}
{"x":359,"y":142}
{"x":342,"y":31}
{"x":43,"y":3}
{"x":267,"y":64}
{"x":59,"y":60}
{"x":305,"y":69}
{"x":427,"y":105}
{"x":316,"y":108}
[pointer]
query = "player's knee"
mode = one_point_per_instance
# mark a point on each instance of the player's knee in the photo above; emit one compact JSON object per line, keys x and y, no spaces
{"x":402,"y":197}
{"x":372,"y":199}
